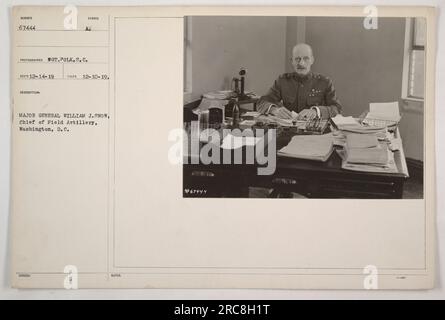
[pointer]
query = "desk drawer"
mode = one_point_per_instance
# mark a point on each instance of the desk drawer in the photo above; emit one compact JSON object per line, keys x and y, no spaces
{"x":358,"y":188}
{"x":334,"y":187}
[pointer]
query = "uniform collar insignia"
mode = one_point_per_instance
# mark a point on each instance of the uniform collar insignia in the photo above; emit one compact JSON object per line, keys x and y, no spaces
{"x":302,"y":78}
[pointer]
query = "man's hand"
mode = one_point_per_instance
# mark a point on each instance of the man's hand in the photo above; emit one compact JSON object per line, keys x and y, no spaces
{"x":307,"y":114}
{"x":281,"y":112}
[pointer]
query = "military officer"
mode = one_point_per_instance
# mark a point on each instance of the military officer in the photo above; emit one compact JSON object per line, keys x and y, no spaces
{"x":307,"y":93}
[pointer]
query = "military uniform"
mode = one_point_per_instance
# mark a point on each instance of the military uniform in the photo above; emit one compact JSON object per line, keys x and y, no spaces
{"x":296,"y":92}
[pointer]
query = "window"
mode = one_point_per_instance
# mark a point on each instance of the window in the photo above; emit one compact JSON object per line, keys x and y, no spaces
{"x":187,"y":58}
{"x":414,"y":59}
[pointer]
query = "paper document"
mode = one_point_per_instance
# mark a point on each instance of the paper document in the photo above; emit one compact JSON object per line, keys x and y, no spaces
{"x":221,"y":95}
{"x":383,"y":111}
{"x":373,"y":156}
{"x":390,"y":167}
{"x":312,"y":147}
{"x":340,"y":120}
{"x":234,"y":142}
{"x":355,"y":140}
{"x":365,"y":129}
{"x":350,"y":124}
{"x":253,"y":114}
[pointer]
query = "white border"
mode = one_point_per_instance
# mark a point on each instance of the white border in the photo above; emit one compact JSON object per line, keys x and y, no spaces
{"x":7,"y":293}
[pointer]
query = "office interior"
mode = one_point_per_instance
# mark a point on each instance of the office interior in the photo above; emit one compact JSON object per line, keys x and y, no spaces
{"x":365,"y":65}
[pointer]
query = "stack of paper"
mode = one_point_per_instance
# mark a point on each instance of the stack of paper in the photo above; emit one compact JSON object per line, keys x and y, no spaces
{"x":250,"y":115}
{"x":365,"y":149}
{"x":370,"y":156}
{"x":390,"y":167}
{"x":385,"y":113}
{"x":366,"y":129}
{"x":355,"y":140}
{"x":341,"y":121}
{"x":311,"y":147}
{"x":271,"y":119}
{"x":364,"y":152}
{"x":349,"y":124}
{"x":219,"y":95}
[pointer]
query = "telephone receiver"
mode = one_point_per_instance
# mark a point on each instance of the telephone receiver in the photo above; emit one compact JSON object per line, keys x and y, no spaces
{"x":238,"y":85}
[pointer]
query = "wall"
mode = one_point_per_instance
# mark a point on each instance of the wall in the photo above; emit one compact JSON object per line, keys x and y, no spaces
{"x":295,"y":33}
{"x":221,"y":45}
{"x":411,"y":130}
{"x":366,"y":66}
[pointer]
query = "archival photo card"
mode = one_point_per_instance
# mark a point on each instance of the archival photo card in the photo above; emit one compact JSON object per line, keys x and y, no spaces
{"x":223,"y":147}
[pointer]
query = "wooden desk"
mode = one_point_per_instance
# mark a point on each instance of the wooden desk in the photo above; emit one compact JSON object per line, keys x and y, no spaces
{"x":310,"y":178}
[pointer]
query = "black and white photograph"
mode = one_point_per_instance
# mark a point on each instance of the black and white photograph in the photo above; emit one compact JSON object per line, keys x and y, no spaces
{"x":304,"y":107}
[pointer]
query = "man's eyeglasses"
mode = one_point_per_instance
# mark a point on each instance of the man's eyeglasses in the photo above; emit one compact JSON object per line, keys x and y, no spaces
{"x":299,"y":59}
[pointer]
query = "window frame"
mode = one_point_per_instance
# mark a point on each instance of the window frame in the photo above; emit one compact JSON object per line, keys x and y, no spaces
{"x":411,"y":102}
{"x":187,"y":59}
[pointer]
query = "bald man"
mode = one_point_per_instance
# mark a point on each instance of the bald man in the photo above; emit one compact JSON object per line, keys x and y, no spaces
{"x":307,"y":93}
